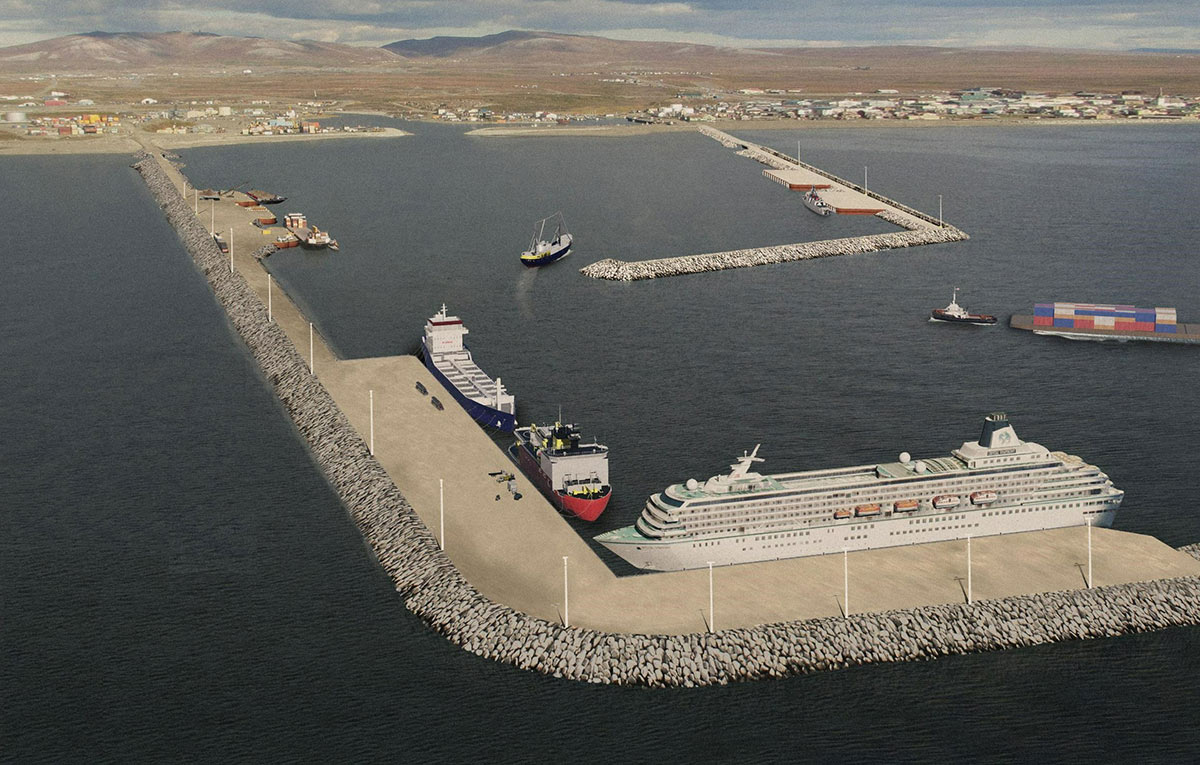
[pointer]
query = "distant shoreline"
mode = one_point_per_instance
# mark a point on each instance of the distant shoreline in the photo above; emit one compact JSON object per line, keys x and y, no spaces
{"x":128,"y":144}
{"x":631,"y":129}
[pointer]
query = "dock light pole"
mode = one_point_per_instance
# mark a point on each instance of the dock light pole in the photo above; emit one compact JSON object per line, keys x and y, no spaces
{"x":711,"y":616}
{"x":846,"y":583}
{"x":968,"y":569}
{"x":864,"y":177}
{"x":442,"y":515}
{"x":270,"y":317}
{"x":1089,"y":533}
{"x":566,"y":597}
{"x":212,"y":216}
{"x":372,"y":398}
{"x":196,"y":201}
{"x":231,"y":249}
{"x":311,"y":358}
{"x":940,"y":210}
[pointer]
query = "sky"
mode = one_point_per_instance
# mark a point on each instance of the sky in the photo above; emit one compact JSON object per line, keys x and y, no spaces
{"x":1097,"y":24}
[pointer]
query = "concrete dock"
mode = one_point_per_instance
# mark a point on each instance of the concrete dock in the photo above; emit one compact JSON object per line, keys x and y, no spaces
{"x":512,"y":551}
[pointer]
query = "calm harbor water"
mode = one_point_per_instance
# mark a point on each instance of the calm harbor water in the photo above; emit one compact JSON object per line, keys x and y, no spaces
{"x":178,"y":582}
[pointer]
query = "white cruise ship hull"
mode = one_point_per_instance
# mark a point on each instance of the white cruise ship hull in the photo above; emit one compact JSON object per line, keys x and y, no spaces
{"x":865,"y":534}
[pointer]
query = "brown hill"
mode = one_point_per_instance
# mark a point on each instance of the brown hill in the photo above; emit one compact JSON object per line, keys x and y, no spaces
{"x":522,"y":48}
{"x":122,"y":50}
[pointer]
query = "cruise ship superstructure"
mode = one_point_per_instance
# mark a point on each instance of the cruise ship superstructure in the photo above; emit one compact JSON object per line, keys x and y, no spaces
{"x":996,"y":485}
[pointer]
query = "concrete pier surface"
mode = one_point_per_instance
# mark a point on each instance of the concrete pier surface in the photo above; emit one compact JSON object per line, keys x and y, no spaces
{"x":512,"y":551}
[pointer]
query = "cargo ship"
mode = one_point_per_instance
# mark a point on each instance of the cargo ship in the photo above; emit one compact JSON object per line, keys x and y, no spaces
{"x":265,"y":197}
{"x":1097,"y":321}
{"x":998,"y":484}
{"x":543,"y":252}
{"x":955,"y":313}
{"x":306,"y":233}
{"x":450,"y":362}
{"x":572,"y":475}
{"x":813,"y":201}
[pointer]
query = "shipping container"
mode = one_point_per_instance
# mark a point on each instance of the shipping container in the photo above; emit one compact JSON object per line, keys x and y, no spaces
{"x":1085,"y":324}
{"x":1043,"y":321}
{"x":1064,"y":322}
{"x":1168,"y":328}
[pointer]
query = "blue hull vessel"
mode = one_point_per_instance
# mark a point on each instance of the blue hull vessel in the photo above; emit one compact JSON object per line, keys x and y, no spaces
{"x":450,"y":362}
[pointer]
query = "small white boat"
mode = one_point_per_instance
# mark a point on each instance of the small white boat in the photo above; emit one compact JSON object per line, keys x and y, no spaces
{"x":813,"y":201}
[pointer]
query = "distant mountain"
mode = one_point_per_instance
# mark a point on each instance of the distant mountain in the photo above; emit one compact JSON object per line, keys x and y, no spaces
{"x":131,"y":50}
{"x":542,"y":48}
{"x":1172,"y":51}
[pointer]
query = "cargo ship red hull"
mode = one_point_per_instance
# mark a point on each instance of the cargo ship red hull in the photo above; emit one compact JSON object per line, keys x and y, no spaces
{"x":587,"y":509}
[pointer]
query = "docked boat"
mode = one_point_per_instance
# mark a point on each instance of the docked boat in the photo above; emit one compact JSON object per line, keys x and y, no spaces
{"x":544,"y":251}
{"x":573,"y":475}
{"x":998,"y":484}
{"x":957,"y":314}
{"x":813,"y":201}
{"x":307,"y":233}
{"x":265,"y":197}
{"x":451,"y":363}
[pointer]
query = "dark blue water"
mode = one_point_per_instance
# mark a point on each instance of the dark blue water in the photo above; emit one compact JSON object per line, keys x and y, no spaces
{"x":178,"y":583}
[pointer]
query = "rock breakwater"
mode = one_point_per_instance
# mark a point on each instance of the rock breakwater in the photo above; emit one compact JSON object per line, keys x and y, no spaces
{"x":628,"y":271}
{"x":433,"y":588}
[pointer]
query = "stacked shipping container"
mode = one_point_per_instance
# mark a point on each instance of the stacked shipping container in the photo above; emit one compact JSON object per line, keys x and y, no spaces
{"x":1108,"y":318}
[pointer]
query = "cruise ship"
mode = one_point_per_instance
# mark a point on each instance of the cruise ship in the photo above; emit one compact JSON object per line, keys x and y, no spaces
{"x":451,"y":363}
{"x":996,"y":485}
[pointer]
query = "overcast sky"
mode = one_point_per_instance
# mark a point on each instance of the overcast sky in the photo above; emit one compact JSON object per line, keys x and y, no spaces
{"x":1100,"y":24}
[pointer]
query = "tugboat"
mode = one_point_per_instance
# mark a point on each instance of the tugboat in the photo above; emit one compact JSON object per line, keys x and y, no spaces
{"x":813,"y":201}
{"x":957,"y":314}
{"x":572,"y":475}
{"x":542,"y":252}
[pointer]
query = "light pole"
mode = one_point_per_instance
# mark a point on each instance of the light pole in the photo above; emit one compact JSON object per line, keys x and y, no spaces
{"x":270,"y":317}
{"x":864,"y":177}
{"x":711,"y":615}
{"x":231,"y":249}
{"x":566,"y":597}
{"x":968,"y":569}
{"x":311,"y":358}
{"x":372,"y":399}
{"x":846,"y":582}
{"x":212,"y":216}
{"x":442,"y":522}
{"x":1089,"y":533}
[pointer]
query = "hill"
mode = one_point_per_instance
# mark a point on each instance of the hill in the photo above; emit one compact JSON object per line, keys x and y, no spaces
{"x":130,"y":50}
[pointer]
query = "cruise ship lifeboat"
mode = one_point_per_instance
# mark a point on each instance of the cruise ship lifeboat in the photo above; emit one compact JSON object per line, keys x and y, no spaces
{"x":906,"y":506}
{"x":841,"y":515}
{"x":866,"y":511}
{"x":945,"y":501}
{"x":984,"y":497}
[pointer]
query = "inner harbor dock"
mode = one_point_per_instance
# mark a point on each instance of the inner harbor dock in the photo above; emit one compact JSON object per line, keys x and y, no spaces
{"x":525,"y":555}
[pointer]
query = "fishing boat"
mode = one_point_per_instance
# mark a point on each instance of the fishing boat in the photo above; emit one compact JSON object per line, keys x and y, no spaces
{"x":541,"y":251}
{"x":955,"y":313}
{"x":813,"y":201}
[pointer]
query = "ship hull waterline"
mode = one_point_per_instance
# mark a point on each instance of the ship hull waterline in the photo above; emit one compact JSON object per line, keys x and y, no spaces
{"x":481,"y":413}
{"x":584,"y":509}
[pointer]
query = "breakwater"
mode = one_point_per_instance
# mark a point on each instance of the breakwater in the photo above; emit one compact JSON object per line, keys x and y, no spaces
{"x":921,"y":229}
{"x":433,"y":588}
{"x":628,"y":271}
